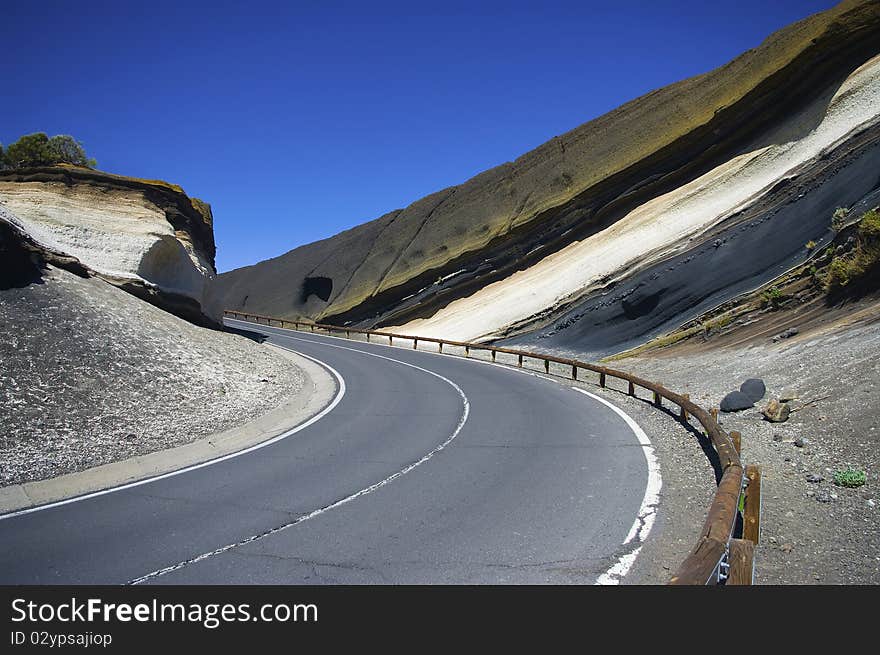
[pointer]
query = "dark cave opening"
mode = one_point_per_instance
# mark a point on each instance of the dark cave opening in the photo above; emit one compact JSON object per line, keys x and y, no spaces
{"x":317,"y":286}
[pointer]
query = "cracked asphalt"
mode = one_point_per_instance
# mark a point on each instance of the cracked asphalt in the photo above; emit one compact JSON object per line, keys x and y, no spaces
{"x":540,"y":484}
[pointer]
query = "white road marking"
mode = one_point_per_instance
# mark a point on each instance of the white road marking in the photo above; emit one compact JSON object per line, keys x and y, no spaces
{"x":342,"y":501}
{"x":317,"y":417}
{"x":647,"y":510}
{"x":647,"y":513}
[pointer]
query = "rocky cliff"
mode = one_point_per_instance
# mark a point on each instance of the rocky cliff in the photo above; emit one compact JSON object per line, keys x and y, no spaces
{"x":731,"y":172}
{"x":147,"y":237}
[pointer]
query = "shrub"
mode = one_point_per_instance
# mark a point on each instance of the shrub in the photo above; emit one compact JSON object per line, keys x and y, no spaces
{"x":838,"y":273}
{"x":850,"y":477}
{"x":772,"y":296}
{"x":809,"y":245}
{"x":39,"y":150}
{"x":869,"y":227}
{"x":864,"y":258}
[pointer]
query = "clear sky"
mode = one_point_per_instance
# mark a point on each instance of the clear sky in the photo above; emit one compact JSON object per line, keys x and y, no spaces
{"x":297,"y":120}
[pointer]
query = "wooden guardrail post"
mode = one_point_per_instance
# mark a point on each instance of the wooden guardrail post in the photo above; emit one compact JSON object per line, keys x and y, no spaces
{"x":546,"y":365}
{"x":602,"y":380}
{"x":440,"y":349}
{"x":752,"y":505}
{"x":574,"y":372}
{"x":519,"y":361}
{"x":658,"y":401}
{"x":736,"y":438}
{"x":467,"y":351}
{"x":415,"y":344}
{"x":493,"y":355}
{"x":684,"y":414}
{"x":741,"y":562}
{"x":632,"y":389}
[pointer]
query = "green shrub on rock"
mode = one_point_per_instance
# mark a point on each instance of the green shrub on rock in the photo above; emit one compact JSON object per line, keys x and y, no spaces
{"x":39,"y":149}
{"x":864,"y":257}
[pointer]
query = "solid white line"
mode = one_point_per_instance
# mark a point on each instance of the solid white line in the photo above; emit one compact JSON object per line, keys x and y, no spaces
{"x":647,"y":510}
{"x":339,"y":394}
{"x":342,"y":501}
{"x":647,"y":513}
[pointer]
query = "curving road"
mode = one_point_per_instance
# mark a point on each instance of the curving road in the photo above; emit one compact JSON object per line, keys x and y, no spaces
{"x":429,"y":469}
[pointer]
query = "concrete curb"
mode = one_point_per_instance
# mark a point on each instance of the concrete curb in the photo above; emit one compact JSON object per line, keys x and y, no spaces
{"x":319,"y":389}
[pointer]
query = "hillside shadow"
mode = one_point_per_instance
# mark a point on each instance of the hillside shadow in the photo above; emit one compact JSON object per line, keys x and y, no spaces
{"x":19,"y":267}
{"x":253,"y":336}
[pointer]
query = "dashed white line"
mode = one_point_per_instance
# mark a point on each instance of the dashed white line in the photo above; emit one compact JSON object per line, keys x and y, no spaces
{"x":647,"y":513}
{"x":342,"y":501}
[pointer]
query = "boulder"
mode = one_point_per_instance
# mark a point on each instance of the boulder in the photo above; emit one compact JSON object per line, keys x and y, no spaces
{"x":776,"y":412}
{"x":736,"y":401}
{"x":754,"y":388}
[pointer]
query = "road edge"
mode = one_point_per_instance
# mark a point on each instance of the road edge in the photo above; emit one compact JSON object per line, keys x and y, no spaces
{"x":318,"y":393}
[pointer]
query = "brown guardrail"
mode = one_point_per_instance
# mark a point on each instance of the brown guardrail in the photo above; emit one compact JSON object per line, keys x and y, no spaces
{"x":717,"y":556}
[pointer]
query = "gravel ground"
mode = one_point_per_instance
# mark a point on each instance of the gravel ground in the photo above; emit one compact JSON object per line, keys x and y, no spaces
{"x":813,"y":531}
{"x":89,"y":375}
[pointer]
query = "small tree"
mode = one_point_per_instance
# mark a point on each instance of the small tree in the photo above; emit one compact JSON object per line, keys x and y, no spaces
{"x":64,"y":148}
{"x":39,"y":150}
{"x":29,"y":150}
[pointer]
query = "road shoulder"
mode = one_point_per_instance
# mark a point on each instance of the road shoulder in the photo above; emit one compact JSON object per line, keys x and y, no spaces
{"x":319,"y":389}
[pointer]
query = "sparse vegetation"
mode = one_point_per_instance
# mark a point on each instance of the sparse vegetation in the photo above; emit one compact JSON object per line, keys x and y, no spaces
{"x":810,"y":245}
{"x":839,"y":218}
{"x":850,"y":477}
{"x":39,"y":149}
{"x":864,"y":257}
{"x":772,"y":296}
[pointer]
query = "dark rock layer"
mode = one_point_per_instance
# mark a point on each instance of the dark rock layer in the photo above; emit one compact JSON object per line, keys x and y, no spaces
{"x":412,"y":262}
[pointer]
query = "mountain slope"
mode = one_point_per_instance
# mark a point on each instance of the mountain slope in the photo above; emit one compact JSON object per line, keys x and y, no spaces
{"x":517,"y":247}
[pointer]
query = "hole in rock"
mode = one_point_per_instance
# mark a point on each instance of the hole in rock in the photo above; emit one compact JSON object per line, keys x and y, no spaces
{"x":317,"y":286}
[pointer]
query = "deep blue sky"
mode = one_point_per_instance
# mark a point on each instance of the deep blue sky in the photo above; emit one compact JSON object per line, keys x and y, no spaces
{"x":297,"y":120}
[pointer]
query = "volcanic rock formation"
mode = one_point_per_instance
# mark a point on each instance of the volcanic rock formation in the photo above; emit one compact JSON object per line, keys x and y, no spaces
{"x":147,"y":237}
{"x":633,"y":222}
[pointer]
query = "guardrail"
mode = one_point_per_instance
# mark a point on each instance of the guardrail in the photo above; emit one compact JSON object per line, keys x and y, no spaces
{"x":718,"y":556}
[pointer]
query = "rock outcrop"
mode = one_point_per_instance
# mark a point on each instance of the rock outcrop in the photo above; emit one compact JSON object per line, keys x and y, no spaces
{"x":626,"y":225}
{"x":147,"y":237}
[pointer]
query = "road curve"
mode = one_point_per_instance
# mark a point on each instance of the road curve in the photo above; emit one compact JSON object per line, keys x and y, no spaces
{"x":429,"y":470}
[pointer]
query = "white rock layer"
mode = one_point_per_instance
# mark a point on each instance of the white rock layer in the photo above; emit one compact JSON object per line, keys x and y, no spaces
{"x":120,"y":235}
{"x":657,"y":228}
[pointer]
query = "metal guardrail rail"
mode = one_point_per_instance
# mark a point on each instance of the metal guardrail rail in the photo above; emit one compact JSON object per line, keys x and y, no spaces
{"x":718,"y":556}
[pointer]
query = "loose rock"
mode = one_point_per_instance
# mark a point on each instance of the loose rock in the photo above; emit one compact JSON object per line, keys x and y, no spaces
{"x":776,"y":412}
{"x":736,"y":401}
{"x":754,"y":388}
{"x":790,"y":332}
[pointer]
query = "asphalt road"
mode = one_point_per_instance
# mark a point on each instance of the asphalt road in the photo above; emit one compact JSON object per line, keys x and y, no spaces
{"x":430,"y":469}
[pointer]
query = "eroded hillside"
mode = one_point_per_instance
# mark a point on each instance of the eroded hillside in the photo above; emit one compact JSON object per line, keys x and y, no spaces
{"x":145,"y":236}
{"x":732,"y":172}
